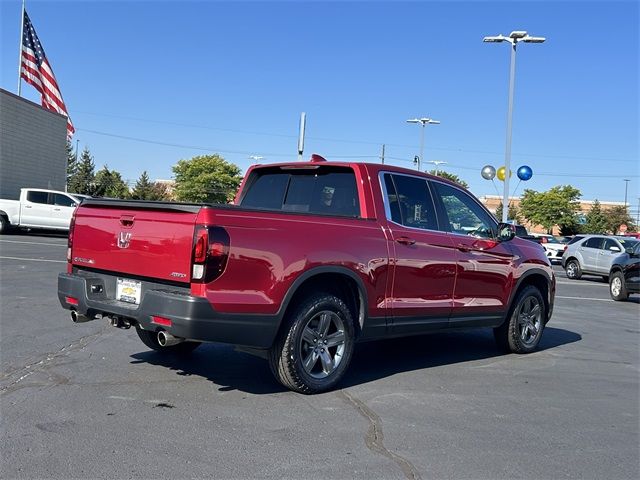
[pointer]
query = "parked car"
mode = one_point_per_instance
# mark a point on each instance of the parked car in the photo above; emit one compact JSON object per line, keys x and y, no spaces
{"x":311,"y":258}
{"x":593,"y":255}
{"x":635,"y":235}
{"x":521,"y":232}
{"x":624,"y":276}
{"x":38,"y":208}
{"x":552,"y":247}
{"x":564,"y":239}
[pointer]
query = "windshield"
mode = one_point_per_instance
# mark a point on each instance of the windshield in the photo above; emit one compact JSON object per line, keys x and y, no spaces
{"x":552,"y":240}
{"x":628,"y":242}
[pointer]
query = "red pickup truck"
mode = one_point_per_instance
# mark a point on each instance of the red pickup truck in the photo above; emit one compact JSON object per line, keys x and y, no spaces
{"x":311,"y":258}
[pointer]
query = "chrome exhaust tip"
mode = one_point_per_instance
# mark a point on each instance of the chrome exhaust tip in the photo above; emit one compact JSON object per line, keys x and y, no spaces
{"x":79,"y":318}
{"x":167,"y":340}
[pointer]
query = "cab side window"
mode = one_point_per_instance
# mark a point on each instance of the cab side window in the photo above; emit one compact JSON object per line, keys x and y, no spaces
{"x":409,"y":201}
{"x":464,"y":215}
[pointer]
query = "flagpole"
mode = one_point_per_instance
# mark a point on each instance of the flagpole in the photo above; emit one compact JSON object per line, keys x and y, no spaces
{"x":20,"y":51}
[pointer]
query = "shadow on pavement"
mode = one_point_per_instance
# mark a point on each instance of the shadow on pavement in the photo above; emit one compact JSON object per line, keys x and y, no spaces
{"x":232,"y":370}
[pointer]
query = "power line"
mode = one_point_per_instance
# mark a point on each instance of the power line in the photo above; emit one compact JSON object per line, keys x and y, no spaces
{"x":363,"y":142}
{"x":213,"y":149}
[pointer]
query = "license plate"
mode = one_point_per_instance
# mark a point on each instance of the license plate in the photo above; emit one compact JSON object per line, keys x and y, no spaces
{"x":128,"y":290}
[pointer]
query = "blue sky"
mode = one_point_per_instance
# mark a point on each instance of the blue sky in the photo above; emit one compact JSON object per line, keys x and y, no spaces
{"x":189,"y":78}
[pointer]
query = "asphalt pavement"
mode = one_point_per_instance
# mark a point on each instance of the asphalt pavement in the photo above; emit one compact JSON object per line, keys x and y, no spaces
{"x":91,"y":401}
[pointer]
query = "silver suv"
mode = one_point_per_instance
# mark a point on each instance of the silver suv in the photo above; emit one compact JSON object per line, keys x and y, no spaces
{"x":593,"y":254}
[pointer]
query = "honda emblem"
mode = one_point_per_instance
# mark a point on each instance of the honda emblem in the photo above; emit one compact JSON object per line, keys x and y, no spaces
{"x":124,"y":239}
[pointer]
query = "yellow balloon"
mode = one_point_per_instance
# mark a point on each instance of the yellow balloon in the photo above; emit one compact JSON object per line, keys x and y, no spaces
{"x":501,"y":173}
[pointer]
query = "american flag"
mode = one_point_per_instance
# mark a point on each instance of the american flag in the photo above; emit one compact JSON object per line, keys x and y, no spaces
{"x":35,"y":69}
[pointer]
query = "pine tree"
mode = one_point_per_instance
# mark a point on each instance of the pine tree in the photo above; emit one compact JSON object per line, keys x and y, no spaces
{"x":596,"y":220}
{"x":82,"y":181}
{"x":144,"y":189}
{"x":72,"y":162}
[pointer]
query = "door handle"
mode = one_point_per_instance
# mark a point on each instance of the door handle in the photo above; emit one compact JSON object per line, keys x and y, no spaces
{"x":464,"y":248}
{"x":27,"y":206}
{"x":56,"y":209}
{"x":405,"y":240}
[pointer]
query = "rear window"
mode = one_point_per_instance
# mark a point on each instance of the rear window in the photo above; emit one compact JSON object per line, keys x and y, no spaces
{"x":324,"y":190}
{"x":575,"y":239}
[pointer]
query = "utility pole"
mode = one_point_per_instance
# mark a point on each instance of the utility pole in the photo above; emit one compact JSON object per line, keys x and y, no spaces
{"x":382,"y":156}
{"x":626,"y":185}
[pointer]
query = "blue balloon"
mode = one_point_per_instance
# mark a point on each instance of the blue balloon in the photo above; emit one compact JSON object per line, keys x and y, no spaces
{"x":525,"y":173}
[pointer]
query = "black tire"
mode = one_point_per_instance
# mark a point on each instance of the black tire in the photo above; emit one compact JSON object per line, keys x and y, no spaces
{"x":301,"y":364}
{"x":522,"y":330}
{"x":617,"y":288}
{"x":150,"y":339}
{"x":5,"y":226}
{"x":573,"y":270}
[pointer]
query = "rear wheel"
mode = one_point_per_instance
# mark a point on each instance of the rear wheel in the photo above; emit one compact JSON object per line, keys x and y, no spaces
{"x":314,"y":349}
{"x":617,"y":288}
{"x":4,"y":224}
{"x":573,"y":270}
{"x":150,"y":339}
{"x":522,"y":330}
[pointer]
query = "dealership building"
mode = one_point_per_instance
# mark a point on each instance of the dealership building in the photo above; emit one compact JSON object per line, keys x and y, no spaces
{"x":32,"y":146}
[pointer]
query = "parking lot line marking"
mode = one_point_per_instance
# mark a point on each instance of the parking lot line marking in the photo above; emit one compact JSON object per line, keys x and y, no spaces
{"x":35,"y":243}
{"x":34,"y":259}
{"x":586,"y":298}
{"x":582,"y":283}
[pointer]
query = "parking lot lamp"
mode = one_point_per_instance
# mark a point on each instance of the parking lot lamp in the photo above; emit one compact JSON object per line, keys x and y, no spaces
{"x":437,"y":163}
{"x":424,"y":121}
{"x":514,"y":38}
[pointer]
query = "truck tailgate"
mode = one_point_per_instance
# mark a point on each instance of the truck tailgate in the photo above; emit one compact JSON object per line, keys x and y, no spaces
{"x":144,"y":239}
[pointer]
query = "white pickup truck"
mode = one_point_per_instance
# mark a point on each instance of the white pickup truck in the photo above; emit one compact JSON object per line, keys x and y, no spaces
{"x":39,"y":208}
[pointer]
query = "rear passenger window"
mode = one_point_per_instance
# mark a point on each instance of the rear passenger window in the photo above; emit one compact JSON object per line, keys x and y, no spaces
{"x":594,"y":242}
{"x":37,"y":197}
{"x":325,"y":190}
{"x":409,"y":202}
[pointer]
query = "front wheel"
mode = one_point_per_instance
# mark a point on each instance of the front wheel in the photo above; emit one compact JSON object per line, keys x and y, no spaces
{"x":573,"y":270}
{"x":150,"y":339}
{"x":617,"y":288}
{"x":315,"y":347}
{"x":522,"y":330}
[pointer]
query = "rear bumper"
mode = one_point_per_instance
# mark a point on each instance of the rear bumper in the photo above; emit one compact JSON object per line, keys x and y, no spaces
{"x":191,"y":317}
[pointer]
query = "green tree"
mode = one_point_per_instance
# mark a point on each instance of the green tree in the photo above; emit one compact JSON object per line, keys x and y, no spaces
{"x":513,"y":214}
{"x":557,"y":206}
{"x":617,"y":216}
{"x":109,"y":183}
{"x":82,"y":181}
{"x":596,"y":220}
{"x":207,"y":179}
{"x":450,"y":176}
{"x":72,"y":162}
{"x":143,"y":189}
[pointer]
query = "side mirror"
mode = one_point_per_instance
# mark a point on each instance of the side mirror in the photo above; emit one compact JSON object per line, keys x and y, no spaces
{"x":613,"y":248}
{"x":630,"y":251}
{"x":506,"y":232}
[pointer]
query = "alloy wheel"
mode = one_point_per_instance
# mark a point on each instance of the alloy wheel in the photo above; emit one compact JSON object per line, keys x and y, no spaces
{"x":322,"y":345}
{"x":529,"y":320}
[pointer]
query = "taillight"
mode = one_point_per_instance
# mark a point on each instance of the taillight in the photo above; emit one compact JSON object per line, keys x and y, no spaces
{"x":72,"y":225}
{"x":210,"y":253}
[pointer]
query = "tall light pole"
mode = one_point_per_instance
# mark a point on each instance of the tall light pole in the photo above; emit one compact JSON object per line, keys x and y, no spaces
{"x":424,"y":121}
{"x":437,"y":163}
{"x":514,"y":38}
{"x":626,"y":185}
